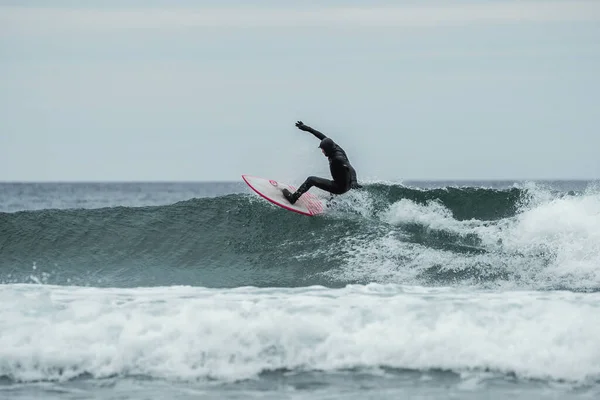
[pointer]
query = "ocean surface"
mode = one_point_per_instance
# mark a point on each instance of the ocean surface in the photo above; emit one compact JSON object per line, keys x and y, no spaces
{"x":421,"y":290}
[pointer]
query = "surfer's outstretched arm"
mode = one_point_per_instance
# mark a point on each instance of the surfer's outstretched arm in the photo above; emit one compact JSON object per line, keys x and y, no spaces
{"x":300,"y":125}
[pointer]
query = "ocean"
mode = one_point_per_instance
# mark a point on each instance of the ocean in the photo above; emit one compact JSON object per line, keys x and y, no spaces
{"x":419,"y":290}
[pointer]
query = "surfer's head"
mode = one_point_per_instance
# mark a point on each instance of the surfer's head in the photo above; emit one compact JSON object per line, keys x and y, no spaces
{"x":327,"y":145}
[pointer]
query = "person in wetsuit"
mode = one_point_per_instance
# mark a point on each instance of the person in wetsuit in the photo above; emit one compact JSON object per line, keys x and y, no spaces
{"x":343,"y":174}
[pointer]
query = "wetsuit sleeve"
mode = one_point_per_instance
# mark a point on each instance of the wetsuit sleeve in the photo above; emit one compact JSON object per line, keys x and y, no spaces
{"x":315,"y":132}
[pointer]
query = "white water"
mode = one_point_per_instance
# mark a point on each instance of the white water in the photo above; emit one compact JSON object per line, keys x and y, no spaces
{"x":185,"y":333}
{"x":551,"y":243}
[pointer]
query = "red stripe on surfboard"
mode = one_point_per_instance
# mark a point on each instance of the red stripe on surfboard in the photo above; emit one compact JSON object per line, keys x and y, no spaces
{"x":314,"y":203}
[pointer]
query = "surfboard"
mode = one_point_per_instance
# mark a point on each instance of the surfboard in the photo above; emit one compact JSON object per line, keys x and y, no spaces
{"x":271,"y":190}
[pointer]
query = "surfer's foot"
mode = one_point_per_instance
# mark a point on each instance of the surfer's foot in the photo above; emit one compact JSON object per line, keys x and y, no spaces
{"x":291,"y":197}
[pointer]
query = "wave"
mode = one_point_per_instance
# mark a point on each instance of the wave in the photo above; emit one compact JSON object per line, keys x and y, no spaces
{"x":519,"y":237}
{"x":187,"y":333}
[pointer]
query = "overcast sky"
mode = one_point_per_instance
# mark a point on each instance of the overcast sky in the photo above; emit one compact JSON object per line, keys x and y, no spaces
{"x":208,"y":90}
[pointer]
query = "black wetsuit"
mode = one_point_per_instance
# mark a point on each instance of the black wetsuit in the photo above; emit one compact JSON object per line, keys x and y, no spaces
{"x":343,"y":174}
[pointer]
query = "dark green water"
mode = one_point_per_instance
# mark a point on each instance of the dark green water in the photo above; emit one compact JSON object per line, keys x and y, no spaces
{"x":238,"y":240}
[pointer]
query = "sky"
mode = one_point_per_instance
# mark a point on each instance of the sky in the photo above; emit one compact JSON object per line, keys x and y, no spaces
{"x":210,"y":90}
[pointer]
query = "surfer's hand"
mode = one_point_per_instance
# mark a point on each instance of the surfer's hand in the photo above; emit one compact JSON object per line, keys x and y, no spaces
{"x":300,"y":125}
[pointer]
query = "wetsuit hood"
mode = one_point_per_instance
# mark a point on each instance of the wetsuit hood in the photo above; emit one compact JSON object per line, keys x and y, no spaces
{"x":328,"y":146}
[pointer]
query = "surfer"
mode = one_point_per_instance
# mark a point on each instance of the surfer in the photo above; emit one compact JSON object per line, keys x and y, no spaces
{"x":343,"y":174}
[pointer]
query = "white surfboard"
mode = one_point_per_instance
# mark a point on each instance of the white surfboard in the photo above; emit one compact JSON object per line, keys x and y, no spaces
{"x":307,"y":204}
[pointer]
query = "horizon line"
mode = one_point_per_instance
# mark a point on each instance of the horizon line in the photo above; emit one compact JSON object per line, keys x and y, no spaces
{"x":363,"y":182}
